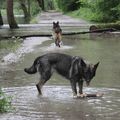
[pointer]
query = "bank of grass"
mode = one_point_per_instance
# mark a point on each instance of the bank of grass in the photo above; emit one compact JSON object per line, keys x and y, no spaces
{"x":89,"y":15}
{"x":82,"y":13}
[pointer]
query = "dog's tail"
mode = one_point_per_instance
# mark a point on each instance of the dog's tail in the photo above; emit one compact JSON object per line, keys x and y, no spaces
{"x":32,"y":69}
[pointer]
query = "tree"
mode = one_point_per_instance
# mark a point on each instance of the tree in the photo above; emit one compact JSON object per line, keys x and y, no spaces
{"x":68,"y":5}
{"x":10,"y":16}
{"x":1,"y":20}
{"x":26,"y":14}
{"x":41,"y":4}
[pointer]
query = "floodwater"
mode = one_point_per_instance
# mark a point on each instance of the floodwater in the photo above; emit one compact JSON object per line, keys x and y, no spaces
{"x":57,"y":102}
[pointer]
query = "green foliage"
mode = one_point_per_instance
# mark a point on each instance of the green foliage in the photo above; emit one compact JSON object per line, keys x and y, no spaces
{"x":49,"y":4}
{"x":107,"y":10}
{"x":5,"y":102}
{"x":34,"y":8}
{"x":11,"y":45}
{"x":99,"y":10}
{"x":56,"y":6}
{"x":82,"y":13}
{"x":68,"y":5}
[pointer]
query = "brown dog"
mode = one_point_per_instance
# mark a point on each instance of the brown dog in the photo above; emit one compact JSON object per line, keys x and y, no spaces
{"x":57,"y":33}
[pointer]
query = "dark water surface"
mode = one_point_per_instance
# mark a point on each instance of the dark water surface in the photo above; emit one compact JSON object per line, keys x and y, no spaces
{"x":57,"y":103}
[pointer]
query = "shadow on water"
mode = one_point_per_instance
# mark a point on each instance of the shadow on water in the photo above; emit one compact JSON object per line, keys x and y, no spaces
{"x":57,"y":102}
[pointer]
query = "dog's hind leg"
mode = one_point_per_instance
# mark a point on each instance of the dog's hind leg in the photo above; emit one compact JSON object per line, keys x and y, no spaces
{"x":73,"y":85}
{"x":59,"y":38}
{"x":40,"y":86}
{"x":80,"y":85}
{"x":57,"y":42}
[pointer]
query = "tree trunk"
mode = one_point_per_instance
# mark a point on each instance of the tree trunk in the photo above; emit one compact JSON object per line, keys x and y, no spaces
{"x":41,"y":4}
{"x":29,"y":7}
{"x":10,"y":16}
{"x":1,"y":20}
{"x":26,"y":14}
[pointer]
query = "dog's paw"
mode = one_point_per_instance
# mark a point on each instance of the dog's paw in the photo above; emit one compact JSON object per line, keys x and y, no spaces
{"x":75,"y":96}
{"x":81,"y":96}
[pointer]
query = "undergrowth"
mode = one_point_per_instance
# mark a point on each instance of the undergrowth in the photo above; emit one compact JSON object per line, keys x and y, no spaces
{"x":91,"y":16}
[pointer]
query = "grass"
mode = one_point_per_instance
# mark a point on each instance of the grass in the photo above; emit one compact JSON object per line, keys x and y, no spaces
{"x":82,"y":13}
{"x":15,"y":11}
{"x":5,"y":103}
{"x":10,"y":45}
{"x":91,"y":16}
{"x":33,"y":18}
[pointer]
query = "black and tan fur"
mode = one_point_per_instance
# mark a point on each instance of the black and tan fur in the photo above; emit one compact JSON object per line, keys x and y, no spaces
{"x":57,"y":33}
{"x":76,"y":69}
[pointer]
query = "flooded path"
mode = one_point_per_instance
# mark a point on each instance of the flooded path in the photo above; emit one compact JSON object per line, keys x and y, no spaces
{"x":57,"y":103}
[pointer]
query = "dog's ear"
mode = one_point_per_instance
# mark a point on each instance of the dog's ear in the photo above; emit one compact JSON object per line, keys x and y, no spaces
{"x":83,"y":63}
{"x":96,"y":65}
{"x":57,"y":22}
{"x":53,"y":23}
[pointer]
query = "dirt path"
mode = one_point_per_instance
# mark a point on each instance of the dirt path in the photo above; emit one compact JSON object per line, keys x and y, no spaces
{"x":50,"y":16}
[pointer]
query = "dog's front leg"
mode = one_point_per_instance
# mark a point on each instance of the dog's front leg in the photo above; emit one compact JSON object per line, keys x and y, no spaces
{"x":80,"y":85}
{"x":73,"y":85}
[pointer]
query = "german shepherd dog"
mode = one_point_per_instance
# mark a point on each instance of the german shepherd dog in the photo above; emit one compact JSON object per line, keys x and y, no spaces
{"x":76,"y":69}
{"x":57,"y":33}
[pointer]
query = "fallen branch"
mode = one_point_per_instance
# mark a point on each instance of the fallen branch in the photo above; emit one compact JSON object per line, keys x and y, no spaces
{"x":24,"y":36}
{"x":92,"y":95}
{"x":106,"y":25}
{"x":72,"y":33}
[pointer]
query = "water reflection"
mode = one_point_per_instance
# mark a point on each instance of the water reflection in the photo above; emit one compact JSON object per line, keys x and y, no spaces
{"x":19,"y":19}
{"x":56,"y":103}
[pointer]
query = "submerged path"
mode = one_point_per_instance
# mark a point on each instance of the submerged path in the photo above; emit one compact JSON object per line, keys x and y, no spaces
{"x":50,"y":16}
{"x":57,"y":102}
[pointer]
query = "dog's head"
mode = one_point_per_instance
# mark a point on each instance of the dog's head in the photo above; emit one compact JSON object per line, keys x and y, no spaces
{"x":88,"y":71}
{"x":56,"y":27}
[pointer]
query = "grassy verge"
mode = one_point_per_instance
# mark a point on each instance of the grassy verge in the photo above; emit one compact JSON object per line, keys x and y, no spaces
{"x":89,"y":15}
{"x":82,"y":13}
